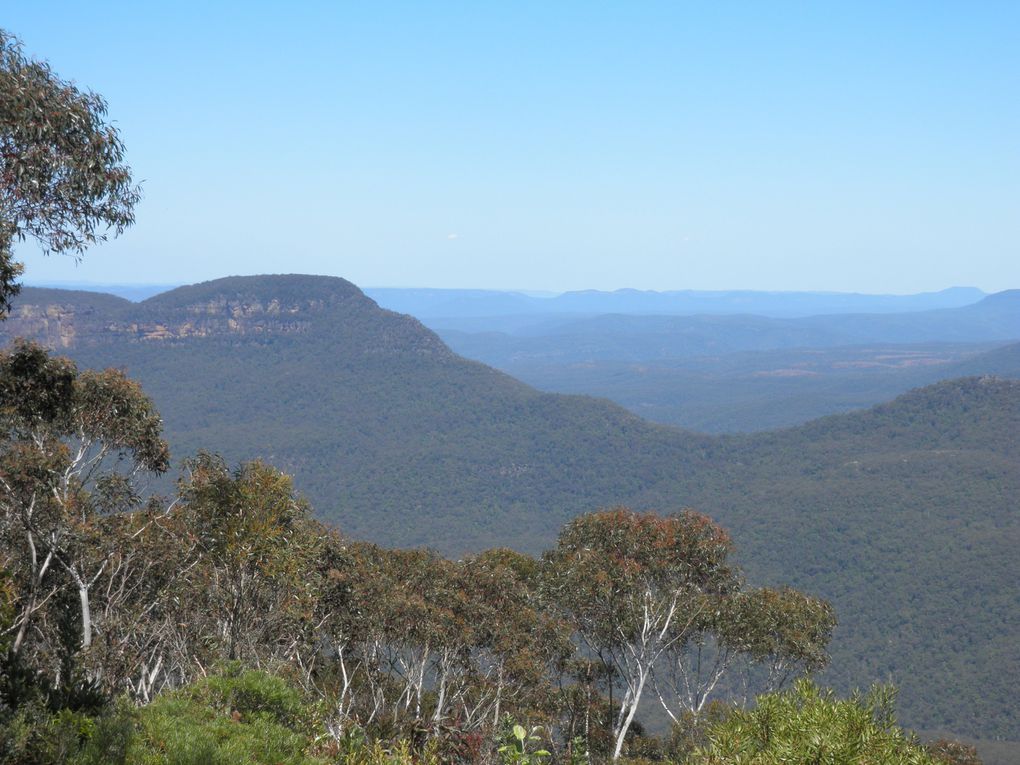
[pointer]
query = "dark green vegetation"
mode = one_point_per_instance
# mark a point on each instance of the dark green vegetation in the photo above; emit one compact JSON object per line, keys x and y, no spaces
{"x":134,"y":292}
{"x":226,"y":719}
{"x":169,"y":608}
{"x":106,"y":594}
{"x":903,"y":516}
{"x":252,"y":717}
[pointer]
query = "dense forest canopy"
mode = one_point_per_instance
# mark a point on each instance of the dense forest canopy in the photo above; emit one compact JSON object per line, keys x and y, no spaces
{"x":900,"y":515}
{"x":107,"y":595}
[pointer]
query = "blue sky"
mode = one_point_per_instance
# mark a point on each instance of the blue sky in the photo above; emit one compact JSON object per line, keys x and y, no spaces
{"x":867,"y":147}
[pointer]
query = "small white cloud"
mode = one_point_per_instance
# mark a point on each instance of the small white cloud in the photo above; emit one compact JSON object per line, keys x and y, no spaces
{"x":453,"y":236}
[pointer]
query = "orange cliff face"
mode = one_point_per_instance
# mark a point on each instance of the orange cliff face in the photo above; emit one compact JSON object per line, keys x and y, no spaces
{"x":63,"y":325}
{"x":53,"y":325}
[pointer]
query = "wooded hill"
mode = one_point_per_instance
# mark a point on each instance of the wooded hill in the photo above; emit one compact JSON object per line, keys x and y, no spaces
{"x":904,"y":515}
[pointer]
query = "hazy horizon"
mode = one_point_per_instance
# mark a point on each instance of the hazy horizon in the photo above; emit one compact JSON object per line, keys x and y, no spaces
{"x":89,"y":286}
{"x":853,"y":148}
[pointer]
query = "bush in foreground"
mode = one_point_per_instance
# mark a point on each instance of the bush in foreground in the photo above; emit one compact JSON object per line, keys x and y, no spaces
{"x":809,"y":725}
{"x":232,"y":718}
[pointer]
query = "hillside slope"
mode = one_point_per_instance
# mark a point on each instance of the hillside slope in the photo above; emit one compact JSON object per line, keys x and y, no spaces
{"x":904,"y":515}
{"x":389,"y":432}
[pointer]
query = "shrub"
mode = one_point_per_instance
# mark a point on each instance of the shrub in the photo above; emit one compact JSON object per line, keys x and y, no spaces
{"x":948,"y":752}
{"x":248,"y":717}
{"x":810,"y":725}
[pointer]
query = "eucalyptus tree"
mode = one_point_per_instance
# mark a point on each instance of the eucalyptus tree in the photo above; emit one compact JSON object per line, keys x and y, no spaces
{"x":765,"y":635}
{"x":517,"y":640}
{"x":73,"y":446}
{"x":250,"y":587}
{"x":634,"y":585}
{"x":63,"y":179}
{"x":416,"y":638}
{"x":782,"y":631}
{"x":428,"y":631}
{"x":344,"y":662}
{"x":144,"y":603}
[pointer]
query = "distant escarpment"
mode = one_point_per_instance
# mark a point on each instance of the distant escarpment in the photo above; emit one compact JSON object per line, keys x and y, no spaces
{"x":252,"y":308}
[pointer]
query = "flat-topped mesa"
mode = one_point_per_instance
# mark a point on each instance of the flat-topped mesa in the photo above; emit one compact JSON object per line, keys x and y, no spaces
{"x":250,"y":308}
{"x":295,"y":291}
{"x":244,"y":305}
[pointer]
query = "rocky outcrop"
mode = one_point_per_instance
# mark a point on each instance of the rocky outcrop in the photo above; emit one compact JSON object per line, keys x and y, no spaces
{"x":254,"y":308}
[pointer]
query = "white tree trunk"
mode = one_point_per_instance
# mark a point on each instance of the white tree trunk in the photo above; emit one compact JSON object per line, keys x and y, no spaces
{"x":86,"y":615}
{"x":634,"y":699}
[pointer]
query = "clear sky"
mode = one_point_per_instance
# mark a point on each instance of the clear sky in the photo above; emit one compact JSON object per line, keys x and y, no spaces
{"x":555,"y":145}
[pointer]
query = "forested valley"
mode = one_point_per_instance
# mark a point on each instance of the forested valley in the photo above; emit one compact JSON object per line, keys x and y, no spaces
{"x":264,"y":520}
{"x":231,"y":573}
{"x":246,"y":629}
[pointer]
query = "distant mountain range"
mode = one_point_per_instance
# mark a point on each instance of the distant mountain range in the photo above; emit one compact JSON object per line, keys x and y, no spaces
{"x":719,"y":372}
{"x":904,"y":515}
{"x":740,"y":373}
{"x":453,"y":304}
{"x":734,"y":373}
{"x":134,"y":292}
{"x":619,"y":337}
{"x":426,"y":303}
